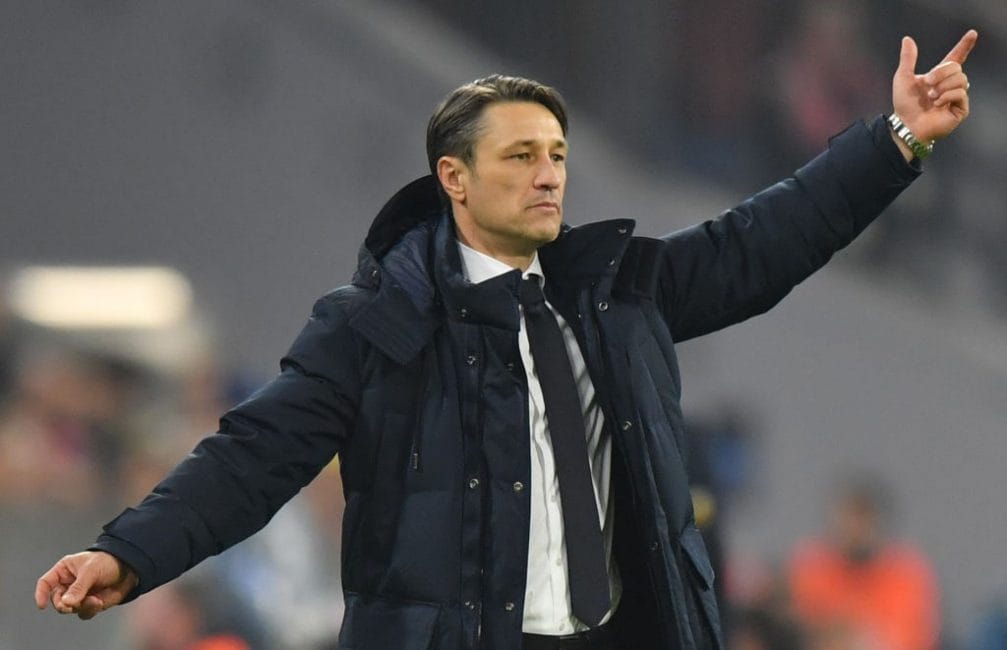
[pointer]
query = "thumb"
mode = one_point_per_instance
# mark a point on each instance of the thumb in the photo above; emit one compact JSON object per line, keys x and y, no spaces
{"x":76,"y":592}
{"x":907,"y":58}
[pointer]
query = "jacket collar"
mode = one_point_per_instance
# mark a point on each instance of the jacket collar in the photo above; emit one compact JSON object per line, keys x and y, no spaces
{"x":411,"y":259}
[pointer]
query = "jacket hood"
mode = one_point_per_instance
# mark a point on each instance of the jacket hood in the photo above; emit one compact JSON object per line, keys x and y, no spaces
{"x":417,"y":202}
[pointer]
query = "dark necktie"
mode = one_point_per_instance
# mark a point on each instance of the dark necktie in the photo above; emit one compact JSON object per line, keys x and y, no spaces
{"x":586,"y":567}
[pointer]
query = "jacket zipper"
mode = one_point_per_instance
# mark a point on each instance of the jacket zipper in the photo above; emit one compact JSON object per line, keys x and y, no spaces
{"x":422,"y":396}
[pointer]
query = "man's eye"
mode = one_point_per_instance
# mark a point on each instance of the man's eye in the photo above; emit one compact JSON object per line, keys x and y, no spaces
{"x":558,"y":157}
{"x":522,"y":156}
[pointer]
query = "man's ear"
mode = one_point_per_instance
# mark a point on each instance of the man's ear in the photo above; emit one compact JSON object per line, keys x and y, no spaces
{"x":453,"y":173}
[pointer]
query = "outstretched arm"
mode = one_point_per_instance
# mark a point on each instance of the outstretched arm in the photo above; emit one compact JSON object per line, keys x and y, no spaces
{"x":268,"y":447}
{"x":932,"y":105}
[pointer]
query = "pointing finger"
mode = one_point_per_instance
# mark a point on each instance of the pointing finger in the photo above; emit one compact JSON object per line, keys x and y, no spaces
{"x":961,"y":51}
{"x":43,"y":588}
{"x":51,"y":580}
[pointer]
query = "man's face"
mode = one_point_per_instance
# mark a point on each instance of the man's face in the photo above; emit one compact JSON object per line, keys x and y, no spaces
{"x":511,"y":199}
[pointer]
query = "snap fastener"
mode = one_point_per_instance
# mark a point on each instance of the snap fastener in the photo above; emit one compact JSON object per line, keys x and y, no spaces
{"x":518,"y":486}
{"x":602,"y":306}
{"x":622,"y":230}
{"x":627,"y":425}
{"x":509,"y":606}
{"x":473,"y":483}
{"x":463,"y":312}
{"x":611,"y":262}
{"x":471,"y":360}
{"x":469,"y":605}
{"x":654,"y":545}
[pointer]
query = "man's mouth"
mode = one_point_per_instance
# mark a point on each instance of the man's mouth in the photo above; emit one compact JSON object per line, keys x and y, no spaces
{"x":547,"y":205}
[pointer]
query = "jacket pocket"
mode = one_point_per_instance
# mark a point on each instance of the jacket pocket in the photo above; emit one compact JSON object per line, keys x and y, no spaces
{"x":381,"y":624}
{"x":706,"y":626}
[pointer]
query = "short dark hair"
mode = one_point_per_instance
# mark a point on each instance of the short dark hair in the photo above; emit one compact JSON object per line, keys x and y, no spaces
{"x":456,"y":124}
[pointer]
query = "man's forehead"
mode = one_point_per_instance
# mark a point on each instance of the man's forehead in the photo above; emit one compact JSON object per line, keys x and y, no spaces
{"x":522,"y":123}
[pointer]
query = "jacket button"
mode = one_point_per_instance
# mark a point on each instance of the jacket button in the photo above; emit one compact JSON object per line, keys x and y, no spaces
{"x":602,"y":306}
{"x":464,"y":313}
{"x":627,"y":425}
{"x":518,"y":486}
{"x":471,"y":360}
{"x":473,"y":483}
{"x":509,"y":606}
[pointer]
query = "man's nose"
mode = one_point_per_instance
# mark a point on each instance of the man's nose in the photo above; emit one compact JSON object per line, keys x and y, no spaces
{"x":547,"y":175}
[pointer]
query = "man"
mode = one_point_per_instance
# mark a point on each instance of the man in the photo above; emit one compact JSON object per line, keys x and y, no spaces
{"x":500,"y":493}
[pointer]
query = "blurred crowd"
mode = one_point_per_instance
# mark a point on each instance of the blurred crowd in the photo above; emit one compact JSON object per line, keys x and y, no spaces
{"x":89,"y":428}
{"x":855,"y":584}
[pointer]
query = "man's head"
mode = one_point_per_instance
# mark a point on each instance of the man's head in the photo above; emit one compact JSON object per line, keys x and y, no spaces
{"x":498,"y":147}
{"x":860,"y":512}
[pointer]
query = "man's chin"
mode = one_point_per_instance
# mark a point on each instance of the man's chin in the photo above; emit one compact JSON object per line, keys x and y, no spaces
{"x":547,"y":232}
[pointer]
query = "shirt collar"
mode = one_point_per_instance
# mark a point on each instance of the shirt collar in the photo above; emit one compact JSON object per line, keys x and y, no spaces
{"x":479,"y":267}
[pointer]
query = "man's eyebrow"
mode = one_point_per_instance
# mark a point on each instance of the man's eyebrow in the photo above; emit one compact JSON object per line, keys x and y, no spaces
{"x":529,"y":143}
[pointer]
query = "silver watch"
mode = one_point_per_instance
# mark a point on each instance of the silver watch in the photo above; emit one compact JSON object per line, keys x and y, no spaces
{"x":920,"y":149}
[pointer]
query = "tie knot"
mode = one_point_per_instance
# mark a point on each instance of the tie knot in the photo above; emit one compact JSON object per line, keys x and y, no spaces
{"x":530,"y":293}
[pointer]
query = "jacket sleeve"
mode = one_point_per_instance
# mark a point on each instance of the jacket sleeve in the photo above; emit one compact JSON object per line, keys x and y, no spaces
{"x":266,"y":450}
{"x":728,"y":269}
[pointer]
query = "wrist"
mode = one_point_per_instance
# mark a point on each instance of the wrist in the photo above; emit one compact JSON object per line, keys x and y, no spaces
{"x":910,"y":146}
{"x":127,"y":576}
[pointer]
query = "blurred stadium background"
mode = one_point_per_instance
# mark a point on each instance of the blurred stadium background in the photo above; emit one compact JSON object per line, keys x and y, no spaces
{"x":201,"y":172}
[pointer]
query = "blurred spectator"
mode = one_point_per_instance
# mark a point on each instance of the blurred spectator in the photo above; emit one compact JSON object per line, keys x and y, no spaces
{"x":828,"y":75}
{"x":856,"y":588}
{"x":63,"y":418}
{"x":191,"y":615}
{"x":719,"y":456}
{"x":289,"y":571}
{"x":714,"y":99}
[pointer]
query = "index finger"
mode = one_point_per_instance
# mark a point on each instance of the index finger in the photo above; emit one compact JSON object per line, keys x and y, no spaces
{"x":44,"y":587}
{"x":961,"y":51}
{"x":51,"y":579}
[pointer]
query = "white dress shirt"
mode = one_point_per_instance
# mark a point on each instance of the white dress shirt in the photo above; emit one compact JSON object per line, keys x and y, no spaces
{"x":547,"y":607}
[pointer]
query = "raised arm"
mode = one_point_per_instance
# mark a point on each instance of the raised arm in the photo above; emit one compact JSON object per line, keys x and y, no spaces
{"x":744,"y":262}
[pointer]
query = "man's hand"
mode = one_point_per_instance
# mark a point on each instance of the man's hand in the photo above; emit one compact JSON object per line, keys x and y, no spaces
{"x":932,"y":105}
{"x":85,"y":584}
